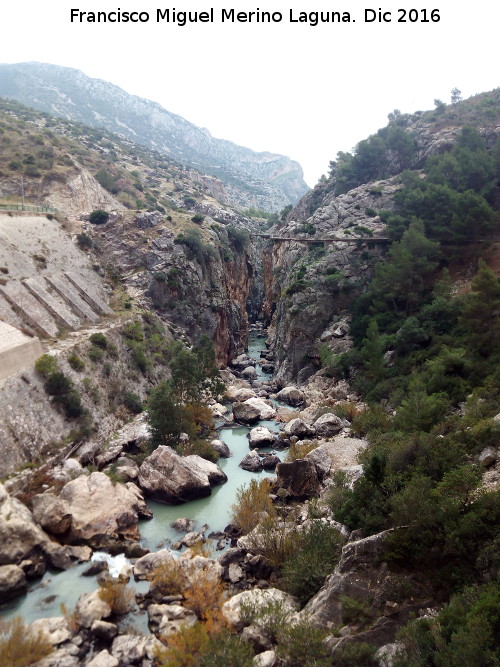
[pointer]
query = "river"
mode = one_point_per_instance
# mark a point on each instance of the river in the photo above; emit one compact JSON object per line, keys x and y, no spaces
{"x":46,"y":595}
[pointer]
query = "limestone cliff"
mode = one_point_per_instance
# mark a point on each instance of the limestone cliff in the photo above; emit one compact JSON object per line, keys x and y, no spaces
{"x":309,"y":283}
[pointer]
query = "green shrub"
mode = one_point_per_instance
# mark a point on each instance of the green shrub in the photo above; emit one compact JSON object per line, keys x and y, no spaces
{"x":99,"y":217}
{"x":95,"y":353}
{"x":272,"y":616}
{"x":76,"y":363}
{"x":314,"y":558}
{"x":84,"y":242}
{"x":226,"y":649}
{"x":58,"y":384}
{"x":46,"y":365}
{"x":132,"y":402}
{"x":360,"y":654}
{"x":99,"y":339}
{"x":465,"y":632}
{"x":302,"y":645}
{"x":354,"y":611}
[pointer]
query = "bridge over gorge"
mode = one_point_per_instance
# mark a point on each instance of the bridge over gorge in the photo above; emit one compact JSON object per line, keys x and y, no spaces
{"x":330,"y":239}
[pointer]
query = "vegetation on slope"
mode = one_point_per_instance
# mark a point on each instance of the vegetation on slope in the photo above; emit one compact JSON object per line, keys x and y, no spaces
{"x":426,"y":360}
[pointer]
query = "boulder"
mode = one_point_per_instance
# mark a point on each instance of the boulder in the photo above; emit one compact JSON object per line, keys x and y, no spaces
{"x":221,"y":448}
{"x":258,"y":598}
{"x":260,"y":436}
{"x":299,"y":478}
{"x":214,"y":474}
{"x":174,"y":617}
{"x":488,"y":457}
{"x":134,"y":649}
{"x":55,"y":629}
{"x":362,"y":574}
{"x":62,"y":557}
{"x":328,"y":425}
{"x":266,"y":408}
{"x":144,"y":567}
{"x":103,"y":659}
{"x":389,"y":655}
{"x":320,"y":457}
{"x":265,"y":659}
{"x":12,"y":582}
{"x":173,"y":479}
{"x":100,"y":508}
{"x":183,"y":525}
{"x":239,"y":394}
{"x":257,"y":638}
{"x":244,"y":413}
{"x":90,"y":608}
{"x":20,"y":537}
{"x":192,"y":538}
{"x":51,"y":513}
{"x":232,"y":555}
{"x":270,"y":462}
{"x":299,"y":428}
{"x":291,"y":396}
{"x":249,"y":373}
{"x":252,"y":462}
{"x":235,"y":573}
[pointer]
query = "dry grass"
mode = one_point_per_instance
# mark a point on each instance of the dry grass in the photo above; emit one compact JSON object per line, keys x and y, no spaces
{"x":20,"y":648}
{"x":116,"y":594}
{"x":299,"y":450}
{"x":250,"y":501}
{"x":205,"y":596}
{"x":184,"y":648}
{"x":169,"y":578}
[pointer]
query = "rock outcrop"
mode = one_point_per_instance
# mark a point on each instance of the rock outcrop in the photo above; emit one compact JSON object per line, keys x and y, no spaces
{"x":363,"y":575}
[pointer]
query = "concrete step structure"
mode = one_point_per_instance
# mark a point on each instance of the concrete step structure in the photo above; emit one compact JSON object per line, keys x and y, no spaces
{"x":70,"y":295}
{"x":88,"y":294}
{"x":17,"y":350}
{"x":29,"y":308}
{"x":62,"y":315}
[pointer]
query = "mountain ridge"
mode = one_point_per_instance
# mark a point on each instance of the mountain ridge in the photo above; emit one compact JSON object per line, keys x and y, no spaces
{"x":263,"y":179}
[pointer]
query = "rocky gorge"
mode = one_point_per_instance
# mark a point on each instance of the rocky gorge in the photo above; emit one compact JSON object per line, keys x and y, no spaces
{"x":336,"y":500}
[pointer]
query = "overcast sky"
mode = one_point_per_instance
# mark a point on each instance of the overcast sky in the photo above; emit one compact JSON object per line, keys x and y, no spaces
{"x":291,"y":88}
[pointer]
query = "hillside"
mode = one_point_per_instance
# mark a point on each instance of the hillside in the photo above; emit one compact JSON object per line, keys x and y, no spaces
{"x":262,"y":180}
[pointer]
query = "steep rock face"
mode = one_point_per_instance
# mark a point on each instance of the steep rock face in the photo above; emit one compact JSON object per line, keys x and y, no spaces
{"x":265,"y":180}
{"x":312,"y":285}
{"x":195,"y":290}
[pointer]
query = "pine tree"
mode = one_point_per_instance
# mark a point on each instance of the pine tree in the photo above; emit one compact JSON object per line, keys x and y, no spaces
{"x":481,"y":312}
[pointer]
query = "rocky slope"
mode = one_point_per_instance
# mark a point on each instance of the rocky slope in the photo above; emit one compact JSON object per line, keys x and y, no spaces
{"x":264,"y":180}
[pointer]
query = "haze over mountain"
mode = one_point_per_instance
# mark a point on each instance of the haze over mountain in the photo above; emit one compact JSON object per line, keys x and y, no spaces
{"x":260,"y":179}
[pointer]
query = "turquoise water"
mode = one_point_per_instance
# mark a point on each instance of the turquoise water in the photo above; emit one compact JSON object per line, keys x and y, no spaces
{"x":215,"y":510}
